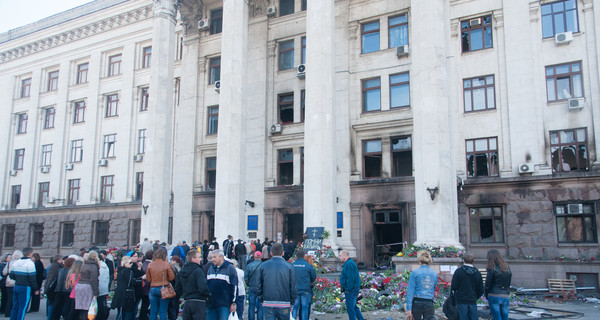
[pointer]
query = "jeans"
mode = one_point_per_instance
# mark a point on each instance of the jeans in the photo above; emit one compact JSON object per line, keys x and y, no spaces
{"x":302,"y":304}
{"x":351,"y":307}
{"x":240,"y":306}
{"x":423,"y":310}
{"x":277,"y":313}
{"x":218,"y":313}
{"x":499,"y":307}
{"x":49,"y":307}
{"x":157,"y":304}
{"x":467,"y":311}
{"x":254,"y":306}
{"x":21,"y":296}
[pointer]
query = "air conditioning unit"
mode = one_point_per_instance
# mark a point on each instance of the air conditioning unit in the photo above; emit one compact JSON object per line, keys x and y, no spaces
{"x":271,"y":11}
{"x":69,"y":166}
{"x":203,"y":24}
{"x":526,"y":168}
{"x":402,"y":51}
{"x":102,"y":162}
{"x":475,"y":22}
{"x":563,"y":37}
{"x":276,"y":128}
{"x":574,"y":208}
{"x":301,"y":71}
{"x":13,"y":172}
{"x":138,"y":157}
{"x":218,"y":86}
{"x":576,"y":104}
{"x":45,"y":169}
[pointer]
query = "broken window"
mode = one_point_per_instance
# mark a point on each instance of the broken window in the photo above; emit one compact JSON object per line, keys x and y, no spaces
{"x":401,"y":156}
{"x":482,"y":157}
{"x":569,"y":150}
{"x":476,"y":34}
{"x":286,"y":108}
{"x":576,"y":222}
{"x":286,"y":167}
{"x":372,"y":159}
{"x":486,"y":225}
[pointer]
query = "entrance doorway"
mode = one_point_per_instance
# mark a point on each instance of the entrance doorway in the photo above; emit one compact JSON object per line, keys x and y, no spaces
{"x":387,"y":231}
{"x":293,"y":227}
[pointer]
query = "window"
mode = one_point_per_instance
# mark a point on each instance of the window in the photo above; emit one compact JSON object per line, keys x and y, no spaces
{"x":302,"y":165}
{"x":67,"y":234}
{"x":49,"y":114}
{"x":101,"y":229}
{"x":215,"y":70}
{"x":371,"y":94}
{"x":36,"y":234}
{"x":303,"y":5}
{"x":286,"y":7}
{"x":79,"y":112}
{"x":213,"y":120}
{"x":82,"y":73}
{"x":76,"y":150}
{"x":114,"y":65}
{"x":9,"y":236}
{"x":106,"y":188}
{"x":398,"y":31}
{"x":25,"y":88}
{"x":43,"y":193}
{"x":285,"y":162}
{"x":560,"y":16}
{"x":576,"y":222}
{"x":372,"y":159}
{"x":52,"y":81}
{"x":401,"y":156}
{"x":135,"y":226}
{"x":139,"y":185}
{"x":479,"y":93}
{"x":303,"y":104}
{"x":486,"y":225}
{"x":109,"y":145}
{"x":112,"y":105}
{"x":303,"y":56}
{"x":144,"y":98}
{"x":286,"y":55}
{"x":370,"y":37}
{"x":286,"y":108}
{"x":569,"y":150}
{"x":15,"y":196}
{"x":141,"y":141}
{"x":216,"y":21}
{"x":584,"y":279}
{"x":179,"y":49}
{"x":476,"y":34}
{"x":46,"y":155}
{"x":22,"y":123}
{"x":211,"y":173}
{"x":482,"y":157}
{"x":19,"y":157}
{"x":73,"y":191}
{"x":146,"y":57}
{"x":563,"y":81}
{"x":399,"y":90}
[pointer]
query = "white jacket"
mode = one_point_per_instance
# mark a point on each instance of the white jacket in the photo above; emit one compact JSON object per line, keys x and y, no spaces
{"x":103,"y":279}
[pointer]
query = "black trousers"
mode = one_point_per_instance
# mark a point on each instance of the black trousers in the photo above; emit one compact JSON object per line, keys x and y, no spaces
{"x":61,"y":308}
{"x":9,"y":301}
{"x":35,"y":302}
{"x":423,"y":310}
{"x":4,"y":301}
{"x":194,"y":310}
{"x":145,"y":309}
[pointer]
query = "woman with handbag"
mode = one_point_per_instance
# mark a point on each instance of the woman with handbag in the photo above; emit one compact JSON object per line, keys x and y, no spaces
{"x":5,"y":260}
{"x":159,"y":274}
{"x":10,"y":283}
{"x":124,"y":297}
{"x":87,"y":287}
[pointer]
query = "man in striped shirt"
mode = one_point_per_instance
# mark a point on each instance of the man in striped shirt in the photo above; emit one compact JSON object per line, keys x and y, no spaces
{"x":23,"y":272}
{"x":222,"y":281}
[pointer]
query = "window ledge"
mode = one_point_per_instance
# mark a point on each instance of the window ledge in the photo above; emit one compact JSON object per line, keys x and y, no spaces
{"x":577,"y":245}
{"x":382,"y":180}
{"x":488,"y":244}
{"x":489,"y":110}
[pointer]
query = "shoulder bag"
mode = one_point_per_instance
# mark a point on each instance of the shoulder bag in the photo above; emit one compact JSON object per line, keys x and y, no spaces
{"x":10,"y":282}
{"x":167,"y":291}
{"x":449,"y":308}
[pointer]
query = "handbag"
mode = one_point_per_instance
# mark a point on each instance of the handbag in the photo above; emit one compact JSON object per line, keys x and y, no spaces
{"x":10,"y":282}
{"x":449,"y":307}
{"x":167,"y":292}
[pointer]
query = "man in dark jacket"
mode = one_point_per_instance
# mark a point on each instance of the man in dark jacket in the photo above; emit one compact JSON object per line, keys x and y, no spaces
{"x":51,"y":281}
{"x":192,"y":286}
{"x":240,"y":254}
{"x":468,"y":286}
{"x":350,"y":283}
{"x":277,"y":286}
{"x":305,"y":276}
{"x":222,"y":282}
{"x":205,"y":251}
{"x":228,"y":247}
{"x":252,"y":278}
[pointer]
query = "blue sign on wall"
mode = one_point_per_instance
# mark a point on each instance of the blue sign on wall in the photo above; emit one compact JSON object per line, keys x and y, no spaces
{"x":252,"y":222}
{"x":340,"y":220}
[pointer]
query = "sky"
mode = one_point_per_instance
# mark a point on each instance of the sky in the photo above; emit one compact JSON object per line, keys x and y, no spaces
{"x":17,"y":13}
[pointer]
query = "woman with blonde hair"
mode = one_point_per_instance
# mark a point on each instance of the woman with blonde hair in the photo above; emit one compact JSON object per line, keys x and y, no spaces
{"x":10,"y":283}
{"x":72,"y":279}
{"x":497,"y":284}
{"x":421,"y":288}
{"x":87,"y":287}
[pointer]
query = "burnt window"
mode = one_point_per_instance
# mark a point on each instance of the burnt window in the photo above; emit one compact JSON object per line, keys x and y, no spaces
{"x":401,"y":156}
{"x":82,"y":73}
{"x":146,"y":57}
{"x":73,"y":191}
{"x":22,"y":123}
{"x":370,"y":36}
{"x":67,"y":234}
{"x":398,"y":31}
{"x":19,"y":158}
{"x":559,"y":16}
{"x":36,"y":234}
{"x":9,"y":236}
{"x":216,"y":21}
{"x":49,"y":114}
{"x":479,"y":93}
{"x":371,"y":94}
{"x":569,"y":150}
{"x":139,"y":185}
{"x":213,"y":120}
{"x":144,"y":98}
{"x":399,"y":90}
{"x":286,"y":55}
{"x":114,"y":65}
{"x":576,"y":222}
{"x":15,"y":196}
{"x":101,"y":229}
{"x":25,"y":88}
{"x":486,"y":225}
{"x":215,"y":70}
{"x":211,"y":173}
{"x":372,"y":159}
{"x":106,"y":189}
{"x":286,"y":108}
{"x":112,"y":105}
{"x":286,"y":7}
{"x":285,"y":164}
{"x":476,"y":34}
{"x":43,"y":193}
{"x":135,"y":226}
{"x":482,"y":157}
{"x":564,"y":81}
{"x":52,"y":81}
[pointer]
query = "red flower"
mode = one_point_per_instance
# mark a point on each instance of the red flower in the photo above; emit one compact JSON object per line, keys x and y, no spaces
{"x":387,"y":280}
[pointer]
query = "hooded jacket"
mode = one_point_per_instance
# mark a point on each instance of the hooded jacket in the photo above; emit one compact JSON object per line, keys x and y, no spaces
{"x":468,"y":284}
{"x":191,"y":282}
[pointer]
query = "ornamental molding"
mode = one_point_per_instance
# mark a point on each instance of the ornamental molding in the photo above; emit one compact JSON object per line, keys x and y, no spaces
{"x":257,"y":8}
{"x":89,"y":30}
{"x":165,"y":9}
{"x":190,"y":12}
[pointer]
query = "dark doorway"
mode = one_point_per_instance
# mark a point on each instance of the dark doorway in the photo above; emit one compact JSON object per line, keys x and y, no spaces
{"x":293,"y":227}
{"x":387,"y":227}
{"x":211,"y":226}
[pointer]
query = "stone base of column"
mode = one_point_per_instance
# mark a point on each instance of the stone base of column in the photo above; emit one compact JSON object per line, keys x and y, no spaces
{"x":438,"y":243}
{"x":345,"y":245}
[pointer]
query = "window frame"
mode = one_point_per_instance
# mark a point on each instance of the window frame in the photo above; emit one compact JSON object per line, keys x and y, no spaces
{"x":281,"y":53}
{"x":363,"y":83}
{"x":36,"y":235}
{"x":114,"y":64}
{"x":214,"y":74}
{"x":216,"y":21}
{"x":43,"y":193}
{"x":141,"y":143}
{"x":146,"y":57}
{"x":112,"y":105}
{"x":363,"y":33}
{"x":79,"y":111}
{"x":393,"y":151}
{"x":49,"y":116}
{"x":108,"y":146}
{"x":52,"y":84}
{"x":303,"y":50}
{"x":73,"y":189}
{"x":144,"y":98}
{"x":552,"y":17}
{"x":46,"y":155}
{"x":25,"y":88}
{"x":101,"y":232}
{"x":212,"y":127}
{"x":9,"y":231}
{"x":139,"y":186}
{"x":64,"y":230}
{"x":473,"y":215}
{"x":19,"y":159}
{"x":15,"y":196}
{"x":399,"y":25}
{"x":561,"y":144}
{"x":489,"y":152}
{"x":22,"y":119}
{"x":485,"y":89}
{"x":285,"y":104}
{"x":284,"y":162}
{"x":302,"y":105}
{"x":208,"y":172}
{"x":107,"y":183}
{"x":555,"y":77}
{"x":399,"y":84}
{"x":288,"y":3}
{"x":76,"y":151}
{"x":591,"y":218}
{"x":470,"y":29}
{"x":82,"y":73}
{"x":371,"y":154}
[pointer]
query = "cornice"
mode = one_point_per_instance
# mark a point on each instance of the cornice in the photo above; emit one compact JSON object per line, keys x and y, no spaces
{"x":89,"y":30}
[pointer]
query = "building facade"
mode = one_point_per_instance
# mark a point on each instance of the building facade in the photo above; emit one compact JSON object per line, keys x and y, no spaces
{"x":387,"y":122}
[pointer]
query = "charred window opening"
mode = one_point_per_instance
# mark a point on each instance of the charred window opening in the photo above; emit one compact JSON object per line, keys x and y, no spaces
{"x":486,"y":225}
{"x":569,"y":150}
{"x":372,"y":159}
{"x":286,"y":108}
{"x":401,"y":156}
{"x":286,"y":167}
{"x":482,"y":157}
{"x":576,"y":222}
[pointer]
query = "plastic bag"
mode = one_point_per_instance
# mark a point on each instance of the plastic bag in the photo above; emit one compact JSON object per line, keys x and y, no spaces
{"x":93,"y":311}
{"x":233,"y":316}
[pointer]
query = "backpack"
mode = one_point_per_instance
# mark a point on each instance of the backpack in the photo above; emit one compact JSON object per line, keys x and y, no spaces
{"x":449,"y":307}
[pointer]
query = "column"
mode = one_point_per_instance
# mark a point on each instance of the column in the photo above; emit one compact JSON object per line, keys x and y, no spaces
{"x":157,"y":190}
{"x":437,"y":218}
{"x":230,"y":190}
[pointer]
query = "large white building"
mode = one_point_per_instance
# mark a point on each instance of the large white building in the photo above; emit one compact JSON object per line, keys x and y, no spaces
{"x":460,"y":122}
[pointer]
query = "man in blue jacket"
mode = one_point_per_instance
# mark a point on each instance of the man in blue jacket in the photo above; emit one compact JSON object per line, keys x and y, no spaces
{"x":305,"y":276}
{"x":222,"y":281}
{"x":350,"y":282}
{"x":277,"y":287}
{"x":252,"y":278}
{"x":23,"y":272}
